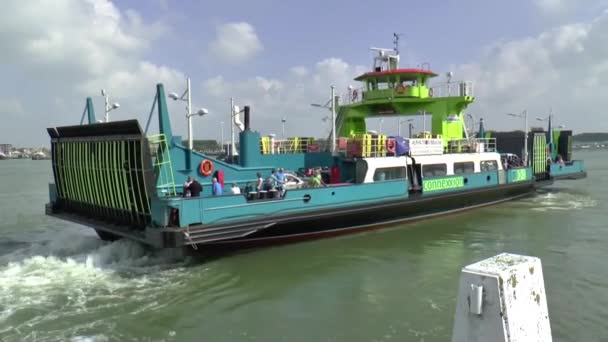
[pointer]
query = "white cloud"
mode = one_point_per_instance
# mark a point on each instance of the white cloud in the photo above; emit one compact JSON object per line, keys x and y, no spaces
{"x":551,"y":6}
{"x":62,"y":50}
{"x":235,"y":43}
{"x":300,"y":71}
{"x":10,"y":107}
{"x":290,"y":97}
{"x":562,"y":68}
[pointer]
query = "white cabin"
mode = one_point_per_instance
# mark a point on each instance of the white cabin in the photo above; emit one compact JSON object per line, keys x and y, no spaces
{"x":388,"y":168}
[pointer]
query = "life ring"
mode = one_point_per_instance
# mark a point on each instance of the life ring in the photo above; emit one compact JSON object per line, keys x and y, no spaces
{"x":400,"y":89}
{"x":206,"y":167}
{"x":430,"y":92}
{"x":390,"y":145}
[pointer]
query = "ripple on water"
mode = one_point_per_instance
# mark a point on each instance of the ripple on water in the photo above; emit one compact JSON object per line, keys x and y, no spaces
{"x":559,"y":200}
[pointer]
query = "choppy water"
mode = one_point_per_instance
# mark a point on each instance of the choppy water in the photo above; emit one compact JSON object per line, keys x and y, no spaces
{"x":59,"y":282}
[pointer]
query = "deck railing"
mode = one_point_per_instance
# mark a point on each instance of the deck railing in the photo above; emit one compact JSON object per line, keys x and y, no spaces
{"x":161,"y":161}
{"x":471,"y":145}
{"x":372,"y":145}
{"x":459,"y":88}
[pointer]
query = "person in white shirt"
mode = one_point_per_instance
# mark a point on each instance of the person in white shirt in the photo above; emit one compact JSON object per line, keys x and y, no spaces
{"x":235,"y":190}
{"x":186,"y":186}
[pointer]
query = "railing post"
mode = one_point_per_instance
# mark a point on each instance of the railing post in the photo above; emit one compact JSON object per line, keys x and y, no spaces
{"x":502,"y":299}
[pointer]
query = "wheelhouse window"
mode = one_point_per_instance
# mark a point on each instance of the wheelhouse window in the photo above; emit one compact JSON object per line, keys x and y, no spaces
{"x":488,"y":165}
{"x":464,"y":167}
{"x":434,"y":170}
{"x":389,"y":173}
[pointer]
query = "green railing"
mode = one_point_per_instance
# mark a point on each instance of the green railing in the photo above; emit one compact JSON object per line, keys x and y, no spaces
{"x":161,"y":162}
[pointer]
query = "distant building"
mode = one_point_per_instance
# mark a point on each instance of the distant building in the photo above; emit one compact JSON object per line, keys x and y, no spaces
{"x":6,"y":149}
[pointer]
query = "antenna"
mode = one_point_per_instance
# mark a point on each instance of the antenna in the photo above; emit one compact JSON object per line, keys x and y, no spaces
{"x":396,"y":41}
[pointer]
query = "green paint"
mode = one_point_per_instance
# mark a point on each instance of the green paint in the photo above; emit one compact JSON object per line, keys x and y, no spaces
{"x":442,"y":184}
{"x":390,"y":101}
{"x":519,"y":175}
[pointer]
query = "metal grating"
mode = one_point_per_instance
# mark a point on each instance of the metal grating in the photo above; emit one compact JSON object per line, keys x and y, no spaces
{"x":103,"y":176}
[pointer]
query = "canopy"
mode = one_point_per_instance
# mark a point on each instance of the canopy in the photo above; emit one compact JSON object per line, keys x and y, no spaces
{"x":389,"y":75}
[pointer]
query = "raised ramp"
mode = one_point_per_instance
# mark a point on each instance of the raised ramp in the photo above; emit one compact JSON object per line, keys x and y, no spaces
{"x":103,"y":172}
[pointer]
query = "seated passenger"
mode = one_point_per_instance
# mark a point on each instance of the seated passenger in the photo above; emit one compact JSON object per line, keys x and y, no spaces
{"x":559,"y":159}
{"x":217,"y":187}
{"x":235,"y":190}
{"x":316,"y":181}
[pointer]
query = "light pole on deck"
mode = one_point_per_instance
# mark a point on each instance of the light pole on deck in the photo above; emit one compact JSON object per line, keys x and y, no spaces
{"x":523,"y":115}
{"x":108,"y":107}
{"x":222,"y":135}
{"x":283,"y":120}
{"x":187,"y":97}
{"x":331,"y":105}
{"x":400,"y":123}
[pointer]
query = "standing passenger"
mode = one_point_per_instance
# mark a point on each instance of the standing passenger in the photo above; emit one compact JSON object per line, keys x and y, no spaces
{"x":195,"y":188}
{"x":186,"y":187}
{"x":281,"y":181}
{"x":217,"y":187}
{"x":260,"y":182}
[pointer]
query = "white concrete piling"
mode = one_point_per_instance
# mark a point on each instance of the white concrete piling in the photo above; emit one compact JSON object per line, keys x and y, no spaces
{"x":502,"y":299}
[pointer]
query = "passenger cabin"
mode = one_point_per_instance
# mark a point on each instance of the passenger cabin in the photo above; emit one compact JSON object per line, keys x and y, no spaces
{"x":371,"y":170}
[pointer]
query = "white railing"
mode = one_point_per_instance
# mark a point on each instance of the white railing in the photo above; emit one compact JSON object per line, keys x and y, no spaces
{"x":472,"y":145}
{"x":352,"y":96}
{"x":460,"y":88}
{"x":292,"y":145}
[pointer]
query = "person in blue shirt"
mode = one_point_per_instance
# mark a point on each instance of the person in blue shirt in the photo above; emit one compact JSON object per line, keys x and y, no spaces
{"x":280,"y":176}
{"x":217,"y":187}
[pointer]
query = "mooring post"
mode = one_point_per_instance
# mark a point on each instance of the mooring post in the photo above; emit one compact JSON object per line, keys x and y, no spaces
{"x":502,"y":299}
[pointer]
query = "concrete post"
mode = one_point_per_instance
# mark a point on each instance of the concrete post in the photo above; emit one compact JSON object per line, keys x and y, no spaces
{"x":502,"y":299}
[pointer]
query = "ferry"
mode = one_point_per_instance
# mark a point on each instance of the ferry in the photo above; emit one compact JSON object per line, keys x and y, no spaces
{"x":122,"y":182}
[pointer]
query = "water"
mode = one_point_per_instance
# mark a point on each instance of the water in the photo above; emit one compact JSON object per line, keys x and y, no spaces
{"x":58,"y":282}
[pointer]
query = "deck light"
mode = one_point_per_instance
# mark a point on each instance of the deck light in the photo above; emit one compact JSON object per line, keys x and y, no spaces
{"x":187,"y":96}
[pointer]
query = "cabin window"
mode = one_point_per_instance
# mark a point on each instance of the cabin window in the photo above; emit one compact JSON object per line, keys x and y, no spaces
{"x":464,"y":167}
{"x":389,"y":173}
{"x":488,"y":165}
{"x":434,"y":170}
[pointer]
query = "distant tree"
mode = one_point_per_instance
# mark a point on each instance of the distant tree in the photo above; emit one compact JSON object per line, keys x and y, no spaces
{"x":590,"y":137}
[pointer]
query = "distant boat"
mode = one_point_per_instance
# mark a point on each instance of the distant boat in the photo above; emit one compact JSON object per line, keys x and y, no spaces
{"x":3,"y":156}
{"x":40,"y":156}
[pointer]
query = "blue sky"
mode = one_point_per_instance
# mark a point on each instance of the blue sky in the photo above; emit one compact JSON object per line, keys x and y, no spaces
{"x":279,"y":56}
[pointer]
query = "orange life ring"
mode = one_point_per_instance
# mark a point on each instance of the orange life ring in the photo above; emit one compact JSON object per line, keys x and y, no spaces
{"x":390,"y":145}
{"x":206,"y":167}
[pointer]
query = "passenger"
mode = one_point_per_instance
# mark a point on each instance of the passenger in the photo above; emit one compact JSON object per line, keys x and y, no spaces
{"x":316,"y":181}
{"x":559,"y":158}
{"x":271,"y":181}
{"x":235,"y":190}
{"x":186,"y":186}
{"x":195,"y":188}
{"x":281,"y":181}
{"x":217,"y":187}
{"x":260,"y":182}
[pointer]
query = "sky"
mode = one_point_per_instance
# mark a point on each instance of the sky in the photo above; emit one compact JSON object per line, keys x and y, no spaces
{"x":281,"y":56}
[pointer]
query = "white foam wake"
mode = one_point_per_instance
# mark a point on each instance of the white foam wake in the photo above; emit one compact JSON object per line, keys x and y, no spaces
{"x":72,"y":275}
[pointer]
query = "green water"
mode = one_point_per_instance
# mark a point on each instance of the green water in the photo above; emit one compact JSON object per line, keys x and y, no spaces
{"x":59,"y":282}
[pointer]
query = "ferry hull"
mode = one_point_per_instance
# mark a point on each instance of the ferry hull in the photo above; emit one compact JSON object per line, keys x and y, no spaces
{"x":314,"y":224}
